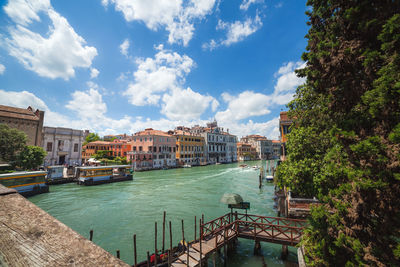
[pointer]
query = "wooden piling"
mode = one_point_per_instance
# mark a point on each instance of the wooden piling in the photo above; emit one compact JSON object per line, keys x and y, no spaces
{"x":285,"y":252}
{"x":257,"y":247}
{"x":134,"y":250}
{"x":148,"y":259}
{"x":187,"y":244}
{"x":195,"y":228}
{"x":91,"y":235}
{"x":155,"y":244}
{"x":118,"y":255}
{"x":225,"y":254}
{"x":169,"y":258}
{"x":200,"y":238}
{"x":163,"y":233}
{"x":170,"y":236}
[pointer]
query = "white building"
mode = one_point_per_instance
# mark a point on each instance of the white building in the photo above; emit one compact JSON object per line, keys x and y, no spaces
{"x":63,"y":145}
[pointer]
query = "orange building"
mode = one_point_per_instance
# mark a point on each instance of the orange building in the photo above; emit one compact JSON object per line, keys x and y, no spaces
{"x":117,"y":148}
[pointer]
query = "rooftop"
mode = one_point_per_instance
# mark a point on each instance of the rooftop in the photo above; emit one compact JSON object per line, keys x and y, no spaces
{"x":18,"y":113}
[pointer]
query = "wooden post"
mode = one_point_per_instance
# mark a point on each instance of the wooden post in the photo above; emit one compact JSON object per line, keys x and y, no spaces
{"x":195,"y":227}
{"x":187,"y":244}
{"x":118,"y":256}
{"x":134,"y":250}
{"x":169,"y":258}
{"x":201,"y":234}
{"x":202,"y":218}
{"x":163,"y":233}
{"x":259,"y":181}
{"x":183,"y":233}
{"x":148,"y":259}
{"x":285,"y":252}
{"x":155,"y":244}
{"x":170,"y":236}
{"x":225,"y":254}
{"x":91,"y":235}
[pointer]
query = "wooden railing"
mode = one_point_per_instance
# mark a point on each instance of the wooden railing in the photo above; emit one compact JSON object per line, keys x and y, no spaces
{"x":273,"y":228}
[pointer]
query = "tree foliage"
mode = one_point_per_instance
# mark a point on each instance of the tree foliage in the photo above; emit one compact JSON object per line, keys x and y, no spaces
{"x":30,"y":157}
{"x":11,"y":141}
{"x":344,"y":147}
{"x":91,"y":138}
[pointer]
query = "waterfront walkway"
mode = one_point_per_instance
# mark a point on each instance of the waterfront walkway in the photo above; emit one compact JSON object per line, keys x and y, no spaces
{"x":222,"y":231}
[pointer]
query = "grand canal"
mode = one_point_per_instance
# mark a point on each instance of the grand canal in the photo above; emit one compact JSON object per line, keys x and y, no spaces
{"x":117,"y":211}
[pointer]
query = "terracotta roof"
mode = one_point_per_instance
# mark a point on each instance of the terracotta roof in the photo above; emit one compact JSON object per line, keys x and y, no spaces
{"x":18,"y":113}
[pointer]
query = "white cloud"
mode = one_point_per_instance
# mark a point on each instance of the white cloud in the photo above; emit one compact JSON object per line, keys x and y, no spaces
{"x":249,"y":104}
{"x":186,"y":104}
{"x":176,"y":16}
{"x":94,"y":73}
{"x":157,"y":75}
{"x":53,"y":56}
{"x":2,"y":69}
{"x":246,"y":3}
{"x":124,"y":47}
{"x":235,"y":32}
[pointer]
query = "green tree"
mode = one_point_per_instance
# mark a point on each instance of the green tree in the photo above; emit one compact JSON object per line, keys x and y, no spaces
{"x":30,"y":157}
{"x":103,"y":154}
{"x":91,"y":138}
{"x":11,"y":141}
{"x":344,"y":146}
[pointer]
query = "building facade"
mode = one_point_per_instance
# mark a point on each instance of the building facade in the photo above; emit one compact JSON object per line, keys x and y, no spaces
{"x":190,"y":149}
{"x":26,"y":120}
{"x":153,"y":149}
{"x":276,"y":148}
{"x":231,"y":148}
{"x":63,"y":145}
{"x":284,"y":129}
{"x":262,"y":145}
{"x":246,"y":152}
{"x":92,"y":148}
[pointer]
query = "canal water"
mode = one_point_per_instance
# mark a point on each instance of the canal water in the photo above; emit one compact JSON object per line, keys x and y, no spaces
{"x":117,"y":211}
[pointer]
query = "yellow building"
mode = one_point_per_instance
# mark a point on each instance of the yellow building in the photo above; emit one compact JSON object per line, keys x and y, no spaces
{"x":190,"y":149}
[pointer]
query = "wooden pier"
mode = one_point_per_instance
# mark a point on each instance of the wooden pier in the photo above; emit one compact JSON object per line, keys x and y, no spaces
{"x":222,"y":231}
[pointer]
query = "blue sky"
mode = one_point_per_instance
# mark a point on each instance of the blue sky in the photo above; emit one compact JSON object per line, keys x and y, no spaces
{"x":119,"y":66}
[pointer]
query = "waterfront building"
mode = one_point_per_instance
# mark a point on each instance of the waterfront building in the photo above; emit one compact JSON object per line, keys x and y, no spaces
{"x":63,"y":145}
{"x":284,"y":129}
{"x":276,"y":149}
{"x":246,"y":152}
{"x":152,"y":149}
{"x":231,"y":147}
{"x":26,"y":120}
{"x":190,"y":148}
{"x":120,"y":148}
{"x":220,"y":145}
{"x":262,"y":145}
{"x":92,"y":148}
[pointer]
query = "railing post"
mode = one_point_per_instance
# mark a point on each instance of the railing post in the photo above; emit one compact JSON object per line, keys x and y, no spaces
{"x":201,"y":234}
{"x":225,"y":254}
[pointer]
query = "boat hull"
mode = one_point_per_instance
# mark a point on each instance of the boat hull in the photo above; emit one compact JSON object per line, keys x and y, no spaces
{"x":91,"y":181}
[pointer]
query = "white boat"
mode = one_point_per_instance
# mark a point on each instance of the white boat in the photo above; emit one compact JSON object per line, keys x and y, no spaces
{"x":187,"y":166}
{"x":256,"y":167}
{"x":269,"y":178}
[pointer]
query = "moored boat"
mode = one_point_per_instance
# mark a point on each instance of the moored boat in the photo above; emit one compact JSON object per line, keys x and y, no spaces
{"x":102,"y":174}
{"x":26,"y":183}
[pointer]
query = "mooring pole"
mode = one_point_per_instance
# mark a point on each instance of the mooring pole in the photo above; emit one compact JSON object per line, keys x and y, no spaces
{"x":148,"y":259}
{"x":91,"y":235}
{"x":195,"y":227}
{"x":163,"y":233}
{"x":155,"y":244}
{"x":118,"y":256}
{"x":201,"y":234}
{"x":170,"y":236}
{"x":134,"y":249}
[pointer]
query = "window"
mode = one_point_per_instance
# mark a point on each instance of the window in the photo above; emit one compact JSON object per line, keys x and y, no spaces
{"x":159,"y":149}
{"x":50,"y":146}
{"x":75,"y":147}
{"x":140,"y":148}
{"x":145,"y":139}
{"x":134,"y":148}
{"x":155,"y":149}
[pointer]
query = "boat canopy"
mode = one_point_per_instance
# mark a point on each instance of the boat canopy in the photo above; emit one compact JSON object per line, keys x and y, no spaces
{"x":87,"y":168}
{"x":14,"y":174}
